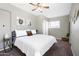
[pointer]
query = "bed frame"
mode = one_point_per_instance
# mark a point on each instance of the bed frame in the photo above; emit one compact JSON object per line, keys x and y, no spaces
{"x":13,"y":38}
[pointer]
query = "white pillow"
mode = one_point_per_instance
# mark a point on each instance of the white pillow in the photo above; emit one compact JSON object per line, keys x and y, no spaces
{"x":33,"y":31}
{"x":20,"y":33}
{"x":28,"y":30}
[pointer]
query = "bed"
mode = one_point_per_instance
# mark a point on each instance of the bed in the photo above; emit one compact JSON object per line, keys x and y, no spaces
{"x":35,"y":45}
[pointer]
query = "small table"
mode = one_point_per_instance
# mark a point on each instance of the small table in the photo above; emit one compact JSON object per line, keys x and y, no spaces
{"x":7,"y":43}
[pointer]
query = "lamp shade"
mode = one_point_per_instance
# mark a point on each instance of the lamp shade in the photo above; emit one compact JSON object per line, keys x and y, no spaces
{"x":6,"y":36}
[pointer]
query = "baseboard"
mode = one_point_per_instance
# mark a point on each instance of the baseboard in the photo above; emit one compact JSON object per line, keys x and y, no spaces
{"x":72,"y":50}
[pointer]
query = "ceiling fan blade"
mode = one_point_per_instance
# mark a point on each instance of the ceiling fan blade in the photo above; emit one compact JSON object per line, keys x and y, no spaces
{"x":46,"y":6}
{"x":38,"y":4}
{"x":34,"y":9}
{"x":32,"y":4}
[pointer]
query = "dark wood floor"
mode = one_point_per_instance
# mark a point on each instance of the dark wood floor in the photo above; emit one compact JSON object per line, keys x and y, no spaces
{"x":61,"y":48}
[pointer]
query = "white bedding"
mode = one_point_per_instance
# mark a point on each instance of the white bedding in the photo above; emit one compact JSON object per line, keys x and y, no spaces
{"x":35,"y":45}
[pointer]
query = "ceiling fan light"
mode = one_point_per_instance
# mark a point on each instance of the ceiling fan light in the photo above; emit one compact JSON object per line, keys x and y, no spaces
{"x":39,"y":6}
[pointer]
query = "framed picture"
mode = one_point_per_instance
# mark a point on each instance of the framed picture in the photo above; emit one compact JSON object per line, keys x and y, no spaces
{"x":28,"y":22}
{"x":21,"y":21}
{"x":76,"y":15}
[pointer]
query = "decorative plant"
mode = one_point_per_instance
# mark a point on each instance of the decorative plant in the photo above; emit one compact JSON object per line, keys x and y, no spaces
{"x":68,"y":34}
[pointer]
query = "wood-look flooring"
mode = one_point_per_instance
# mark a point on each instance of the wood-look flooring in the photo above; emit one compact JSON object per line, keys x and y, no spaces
{"x":61,"y":48}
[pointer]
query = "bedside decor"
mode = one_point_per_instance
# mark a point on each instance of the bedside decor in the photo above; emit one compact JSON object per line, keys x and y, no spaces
{"x":6,"y":36}
{"x":6,"y":42}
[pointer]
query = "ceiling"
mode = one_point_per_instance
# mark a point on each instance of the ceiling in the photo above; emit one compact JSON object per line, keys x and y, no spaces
{"x":55,"y":9}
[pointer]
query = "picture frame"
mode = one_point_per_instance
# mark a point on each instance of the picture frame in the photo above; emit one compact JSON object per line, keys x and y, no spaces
{"x":76,"y":14}
{"x":20,"y":21}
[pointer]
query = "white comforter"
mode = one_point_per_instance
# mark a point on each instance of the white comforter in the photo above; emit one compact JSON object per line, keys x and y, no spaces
{"x":36,"y":45}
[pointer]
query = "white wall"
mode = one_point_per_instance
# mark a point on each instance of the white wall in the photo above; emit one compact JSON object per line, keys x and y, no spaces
{"x":45,"y":27}
{"x":64,"y":27}
{"x":18,"y":12}
{"x":39,"y":23}
{"x":74,"y":31}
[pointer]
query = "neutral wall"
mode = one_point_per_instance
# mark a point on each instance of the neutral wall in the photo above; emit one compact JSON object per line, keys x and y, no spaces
{"x":20,"y":13}
{"x":64,"y":27}
{"x":74,"y":31}
{"x":39,"y":23}
{"x":58,"y":33}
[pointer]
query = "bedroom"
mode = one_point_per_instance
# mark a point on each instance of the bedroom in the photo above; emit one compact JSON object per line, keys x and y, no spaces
{"x":56,"y":22}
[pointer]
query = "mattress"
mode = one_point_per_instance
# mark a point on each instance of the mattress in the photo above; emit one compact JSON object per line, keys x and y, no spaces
{"x":35,"y":45}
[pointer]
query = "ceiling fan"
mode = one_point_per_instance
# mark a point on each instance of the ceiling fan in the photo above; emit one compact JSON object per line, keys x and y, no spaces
{"x":39,"y":6}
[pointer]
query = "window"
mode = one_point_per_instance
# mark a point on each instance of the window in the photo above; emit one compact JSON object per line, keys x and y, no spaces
{"x":54,"y":24}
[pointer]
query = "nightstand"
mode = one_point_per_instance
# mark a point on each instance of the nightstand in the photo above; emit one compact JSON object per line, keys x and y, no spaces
{"x":7,"y":43}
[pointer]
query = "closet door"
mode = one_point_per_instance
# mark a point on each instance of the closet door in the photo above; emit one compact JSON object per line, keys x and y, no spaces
{"x":4,"y":24}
